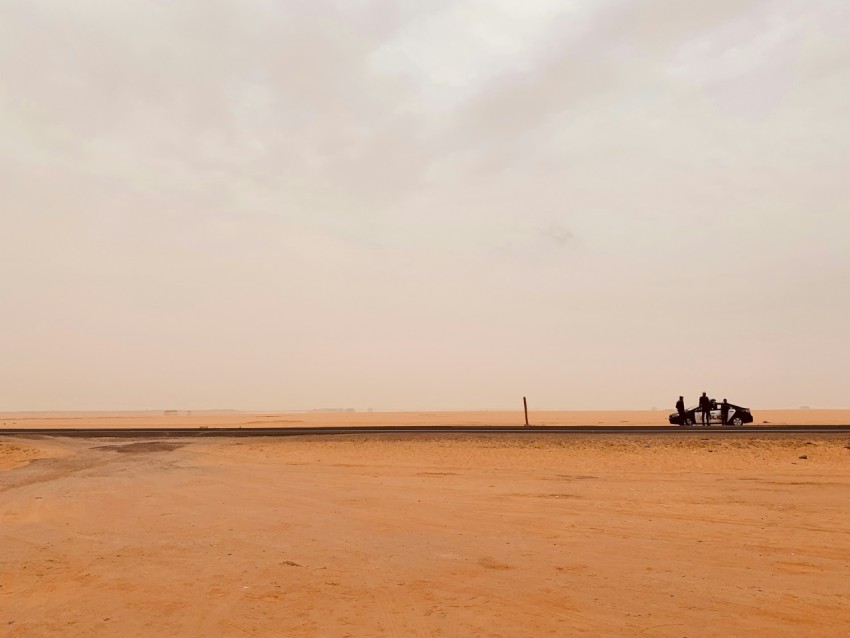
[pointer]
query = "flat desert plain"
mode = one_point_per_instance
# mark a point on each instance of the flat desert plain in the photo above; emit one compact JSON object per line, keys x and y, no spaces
{"x":422,"y":535}
{"x":212,"y":419}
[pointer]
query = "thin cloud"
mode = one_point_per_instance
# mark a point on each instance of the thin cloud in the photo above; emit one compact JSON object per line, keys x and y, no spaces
{"x":297,"y":187}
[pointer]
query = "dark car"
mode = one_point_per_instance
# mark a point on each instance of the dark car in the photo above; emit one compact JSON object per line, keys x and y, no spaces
{"x":693,"y":416}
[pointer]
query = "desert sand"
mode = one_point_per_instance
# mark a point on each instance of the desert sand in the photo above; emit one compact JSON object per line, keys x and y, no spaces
{"x":173,"y":418}
{"x":417,"y":535}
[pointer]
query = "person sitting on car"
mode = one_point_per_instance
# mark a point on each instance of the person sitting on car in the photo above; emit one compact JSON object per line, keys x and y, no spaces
{"x":705,"y":408}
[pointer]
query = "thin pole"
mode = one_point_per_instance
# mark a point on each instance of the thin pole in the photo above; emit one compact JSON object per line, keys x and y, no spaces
{"x":525,"y":407}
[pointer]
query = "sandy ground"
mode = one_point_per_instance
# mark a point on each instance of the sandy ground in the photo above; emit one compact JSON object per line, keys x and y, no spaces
{"x":296,"y":419}
{"x":414,"y":535}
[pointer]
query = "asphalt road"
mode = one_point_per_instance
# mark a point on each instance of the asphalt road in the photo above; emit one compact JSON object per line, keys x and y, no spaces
{"x":157,"y":433}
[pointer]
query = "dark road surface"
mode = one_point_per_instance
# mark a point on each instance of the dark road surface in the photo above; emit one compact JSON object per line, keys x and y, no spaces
{"x":423,"y":429}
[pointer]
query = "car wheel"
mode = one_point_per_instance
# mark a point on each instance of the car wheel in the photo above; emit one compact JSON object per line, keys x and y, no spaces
{"x":737,"y":421}
{"x":688,"y":421}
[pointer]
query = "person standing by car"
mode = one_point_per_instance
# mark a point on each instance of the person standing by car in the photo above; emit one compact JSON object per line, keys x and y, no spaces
{"x":724,"y":412}
{"x":680,"y":408}
{"x":705,"y":408}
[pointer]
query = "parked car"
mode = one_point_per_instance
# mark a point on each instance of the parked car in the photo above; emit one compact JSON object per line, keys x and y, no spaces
{"x":693,"y":416}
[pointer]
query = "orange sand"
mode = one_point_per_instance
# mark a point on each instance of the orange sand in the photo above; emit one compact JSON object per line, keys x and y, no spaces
{"x":416,"y":535}
{"x":287,"y":419}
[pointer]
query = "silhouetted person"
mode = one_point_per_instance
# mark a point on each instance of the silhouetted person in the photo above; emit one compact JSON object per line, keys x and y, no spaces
{"x":724,"y":412}
{"x":705,"y":408}
{"x":680,"y":407}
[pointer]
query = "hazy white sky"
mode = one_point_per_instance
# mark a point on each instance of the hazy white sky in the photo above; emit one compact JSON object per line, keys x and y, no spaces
{"x":266,"y":204}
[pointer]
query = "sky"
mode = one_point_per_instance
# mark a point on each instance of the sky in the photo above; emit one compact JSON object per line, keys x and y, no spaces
{"x":397,"y":204}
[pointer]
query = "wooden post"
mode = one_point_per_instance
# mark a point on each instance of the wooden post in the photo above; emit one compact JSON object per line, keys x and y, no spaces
{"x":525,"y":407}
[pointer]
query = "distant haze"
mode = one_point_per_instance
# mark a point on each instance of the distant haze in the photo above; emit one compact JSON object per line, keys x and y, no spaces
{"x":422,"y":205}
